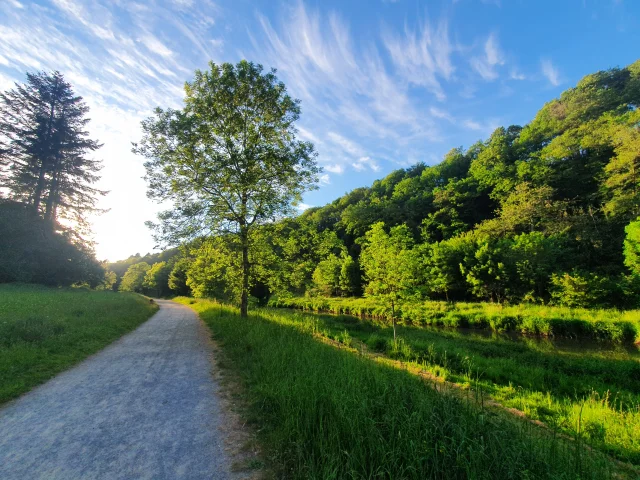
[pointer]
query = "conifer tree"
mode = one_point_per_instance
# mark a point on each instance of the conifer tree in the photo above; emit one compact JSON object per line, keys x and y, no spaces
{"x":44,"y":146}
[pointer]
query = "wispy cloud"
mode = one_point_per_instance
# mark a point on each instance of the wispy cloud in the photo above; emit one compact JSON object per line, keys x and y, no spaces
{"x":550,"y":72}
{"x":486,"y":65}
{"x":347,"y":145}
{"x":423,"y":55}
{"x":517,"y":75}
{"x":364,"y":163}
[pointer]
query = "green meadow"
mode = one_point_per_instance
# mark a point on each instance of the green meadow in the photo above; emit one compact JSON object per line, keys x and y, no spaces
{"x":327,"y":412}
{"x":45,"y":330}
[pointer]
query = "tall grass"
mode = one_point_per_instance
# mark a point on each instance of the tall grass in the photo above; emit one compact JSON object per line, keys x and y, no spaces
{"x":46,"y":330}
{"x":600,"y":324}
{"x":326,"y":413}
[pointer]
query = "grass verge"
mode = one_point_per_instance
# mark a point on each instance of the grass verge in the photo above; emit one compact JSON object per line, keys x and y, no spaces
{"x":44,"y":331}
{"x":328,"y":413}
{"x":598,"y":324}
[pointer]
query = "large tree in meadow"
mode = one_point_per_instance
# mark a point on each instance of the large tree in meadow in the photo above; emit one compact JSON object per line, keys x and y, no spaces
{"x":229,"y":160}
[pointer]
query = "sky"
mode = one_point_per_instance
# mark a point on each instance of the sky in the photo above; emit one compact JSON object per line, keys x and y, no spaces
{"x":384,"y":84}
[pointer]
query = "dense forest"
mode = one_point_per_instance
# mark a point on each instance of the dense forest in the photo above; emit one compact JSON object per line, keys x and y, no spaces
{"x":545,"y":212}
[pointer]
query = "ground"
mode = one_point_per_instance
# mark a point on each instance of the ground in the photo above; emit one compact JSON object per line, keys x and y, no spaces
{"x":145,"y":407}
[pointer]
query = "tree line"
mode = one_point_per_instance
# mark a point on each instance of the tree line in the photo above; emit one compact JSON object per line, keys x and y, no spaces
{"x":545,"y":212}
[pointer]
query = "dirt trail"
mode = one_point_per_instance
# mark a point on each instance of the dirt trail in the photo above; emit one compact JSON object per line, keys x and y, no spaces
{"x":147,"y":406}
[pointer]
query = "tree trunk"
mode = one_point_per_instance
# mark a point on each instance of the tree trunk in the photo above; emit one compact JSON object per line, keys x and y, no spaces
{"x":43,"y":161}
{"x":244,"y":298}
{"x":52,"y":200}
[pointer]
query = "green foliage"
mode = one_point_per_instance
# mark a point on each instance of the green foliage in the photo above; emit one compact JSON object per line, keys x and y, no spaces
{"x":349,"y":279}
{"x":326,"y":276}
{"x":534,"y":257}
{"x":134,"y":278}
{"x":632,"y":247}
{"x":494,"y":222}
{"x":581,"y":289}
{"x":485,"y":270}
{"x":177,"y":281}
{"x":44,"y":331}
{"x":389,"y":262}
{"x":156,"y":279}
{"x":215,"y":270}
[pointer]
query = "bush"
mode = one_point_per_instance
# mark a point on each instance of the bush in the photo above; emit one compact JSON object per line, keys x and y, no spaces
{"x":582,"y":289}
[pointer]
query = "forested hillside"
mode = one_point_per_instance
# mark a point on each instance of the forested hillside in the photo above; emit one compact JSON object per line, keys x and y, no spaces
{"x":544,"y":212}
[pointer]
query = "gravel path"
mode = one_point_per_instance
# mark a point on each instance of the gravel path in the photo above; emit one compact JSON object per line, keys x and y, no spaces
{"x":144,"y":407}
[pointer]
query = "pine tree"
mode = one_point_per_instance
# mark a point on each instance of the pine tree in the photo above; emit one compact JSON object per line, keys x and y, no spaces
{"x":44,"y":146}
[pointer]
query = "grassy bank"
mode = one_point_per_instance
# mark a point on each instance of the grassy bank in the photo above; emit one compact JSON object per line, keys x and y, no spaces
{"x":599,"y":324}
{"x":594,"y":393}
{"x":329,"y":413}
{"x":43,"y":331}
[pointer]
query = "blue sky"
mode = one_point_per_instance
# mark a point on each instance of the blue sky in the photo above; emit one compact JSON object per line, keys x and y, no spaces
{"x":384,"y":83}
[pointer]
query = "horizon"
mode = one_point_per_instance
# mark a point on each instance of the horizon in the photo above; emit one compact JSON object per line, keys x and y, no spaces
{"x":381,"y":89}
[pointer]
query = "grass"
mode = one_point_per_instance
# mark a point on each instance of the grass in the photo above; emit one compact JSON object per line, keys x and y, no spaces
{"x":327,"y":413}
{"x":598,"y":324}
{"x":44,"y":331}
{"x":594,"y":393}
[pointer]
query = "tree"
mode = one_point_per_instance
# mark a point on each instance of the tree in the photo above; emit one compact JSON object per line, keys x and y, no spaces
{"x":33,"y":253}
{"x":157,"y":278}
{"x":44,"y":146}
{"x":390,"y":265}
{"x":109,"y":281}
{"x":623,"y":170}
{"x":326,"y":276}
{"x":216,"y":269}
{"x":133,"y":280}
{"x":632,"y":247}
{"x":229,"y":160}
{"x":485,"y":269}
{"x":349,"y":279}
{"x":177,"y":280}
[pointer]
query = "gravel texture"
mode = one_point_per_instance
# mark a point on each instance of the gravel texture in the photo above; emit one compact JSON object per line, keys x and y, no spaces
{"x":146,"y":407}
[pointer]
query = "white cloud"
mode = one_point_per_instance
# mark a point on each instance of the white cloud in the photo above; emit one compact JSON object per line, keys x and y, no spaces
{"x":550,"y":72}
{"x":486,"y":64}
{"x":516,"y":75}
{"x":423,"y":56}
{"x":334,"y":168}
{"x":347,"y":145}
{"x":365,"y":162}
{"x":324,"y":179}
{"x":438,"y":113}
{"x":155,"y":45}
{"x":304,"y":206}
{"x":472,"y":124}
